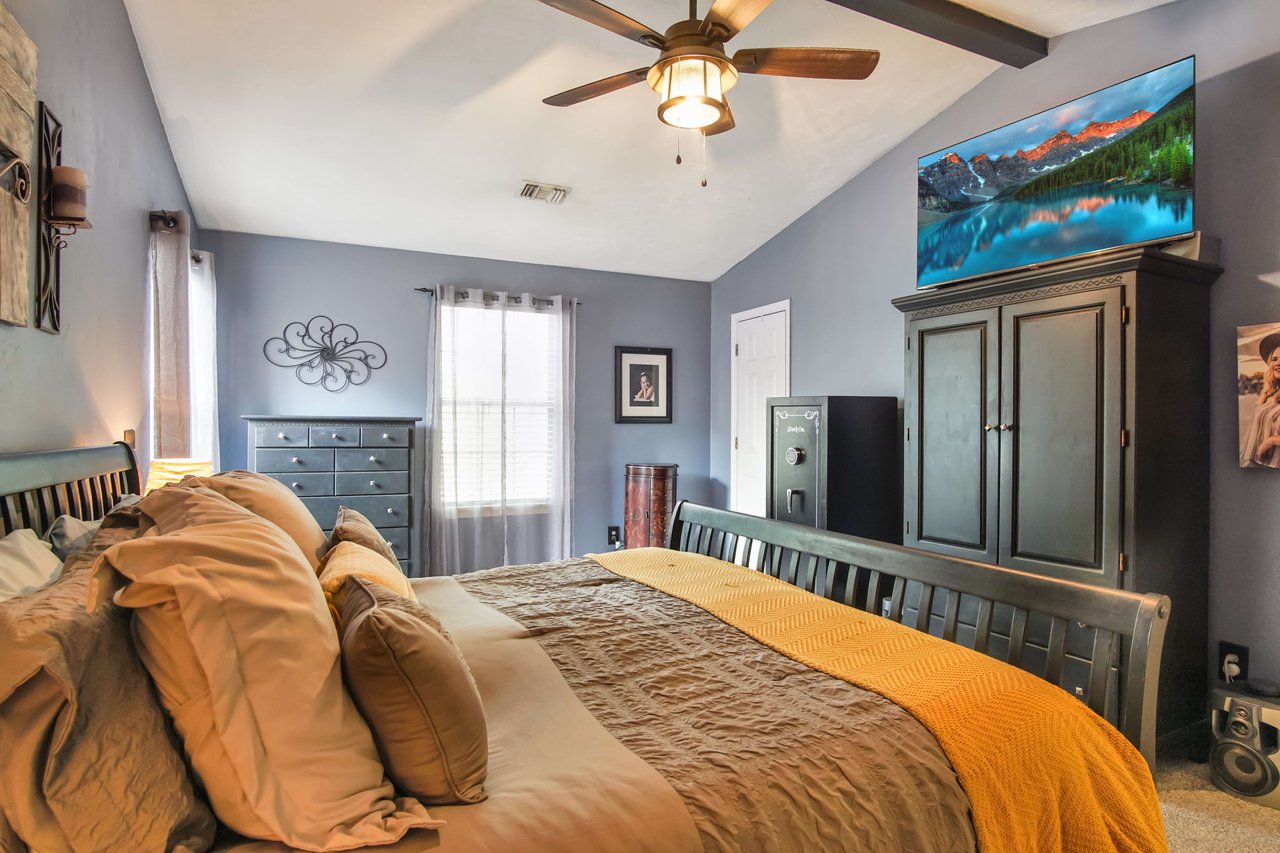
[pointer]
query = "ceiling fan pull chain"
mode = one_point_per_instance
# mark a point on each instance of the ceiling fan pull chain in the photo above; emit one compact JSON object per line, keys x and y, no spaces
{"x":704,"y":160}
{"x":679,"y":159}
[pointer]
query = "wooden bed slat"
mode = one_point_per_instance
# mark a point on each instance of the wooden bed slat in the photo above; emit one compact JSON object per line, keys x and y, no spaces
{"x":1018,"y":636}
{"x":924,"y":611}
{"x":951,"y":620}
{"x":1057,"y":651}
{"x":896,"y":599}
{"x":1100,"y":669}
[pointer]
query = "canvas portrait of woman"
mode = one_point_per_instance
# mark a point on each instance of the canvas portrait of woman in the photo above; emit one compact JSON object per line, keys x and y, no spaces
{"x":1258,"y":358}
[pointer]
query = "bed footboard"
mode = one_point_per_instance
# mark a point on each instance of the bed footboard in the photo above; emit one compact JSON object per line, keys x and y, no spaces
{"x":1128,"y":628}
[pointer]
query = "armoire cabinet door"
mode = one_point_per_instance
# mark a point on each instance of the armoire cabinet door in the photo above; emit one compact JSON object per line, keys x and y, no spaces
{"x":952,"y":403}
{"x":1060,"y":422}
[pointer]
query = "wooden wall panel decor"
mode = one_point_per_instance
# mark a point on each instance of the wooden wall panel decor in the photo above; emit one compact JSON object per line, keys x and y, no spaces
{"x":17,"y":118}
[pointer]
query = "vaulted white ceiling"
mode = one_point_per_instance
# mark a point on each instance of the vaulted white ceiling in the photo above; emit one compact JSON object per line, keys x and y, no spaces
{"x":411,"y":123}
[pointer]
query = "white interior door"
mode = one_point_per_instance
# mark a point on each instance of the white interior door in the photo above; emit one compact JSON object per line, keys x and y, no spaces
{"x":761,"y":369}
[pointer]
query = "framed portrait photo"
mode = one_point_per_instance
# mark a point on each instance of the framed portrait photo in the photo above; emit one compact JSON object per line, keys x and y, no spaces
{"x":1258,"y":390}
{"x":642,"y":385}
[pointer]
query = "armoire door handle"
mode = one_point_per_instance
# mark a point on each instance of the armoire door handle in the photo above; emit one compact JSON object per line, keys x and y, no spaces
{"x":1006,"y":427}
{"x":987,"y":427}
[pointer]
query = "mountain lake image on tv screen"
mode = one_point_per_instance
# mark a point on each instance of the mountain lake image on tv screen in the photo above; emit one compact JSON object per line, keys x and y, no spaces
{"x":1109,"y":169}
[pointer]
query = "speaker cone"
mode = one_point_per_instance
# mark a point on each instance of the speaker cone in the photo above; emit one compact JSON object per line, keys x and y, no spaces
{"x":1243,"y":769}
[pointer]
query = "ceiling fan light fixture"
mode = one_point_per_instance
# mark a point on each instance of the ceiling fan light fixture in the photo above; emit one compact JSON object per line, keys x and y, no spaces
{"x":692,"y":89}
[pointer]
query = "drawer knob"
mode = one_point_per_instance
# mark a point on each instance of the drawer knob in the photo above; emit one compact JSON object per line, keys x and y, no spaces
{"x":373,"y":459}
{"x":373,"y":483}
{"x":390,"y":511}
{"x":279,"y":435}
{"x":386,"y":436}
{"x":335,"y":435}
{"x":297,"y":485}
{"x":296,"y":460}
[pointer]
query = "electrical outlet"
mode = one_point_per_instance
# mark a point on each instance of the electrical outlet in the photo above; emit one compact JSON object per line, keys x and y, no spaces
{"x":1241,"y":652}
{"x":615,"y":535}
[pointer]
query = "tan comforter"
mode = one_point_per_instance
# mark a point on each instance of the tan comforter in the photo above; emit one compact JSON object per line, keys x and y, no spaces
{"x":623,"y":719}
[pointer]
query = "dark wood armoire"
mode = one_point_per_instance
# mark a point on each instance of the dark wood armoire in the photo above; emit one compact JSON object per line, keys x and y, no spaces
{"x":650,"y":500}
{"x":1057,"y":422}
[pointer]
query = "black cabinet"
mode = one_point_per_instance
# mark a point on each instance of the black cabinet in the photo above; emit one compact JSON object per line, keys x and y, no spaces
{"x":1056,"y":422}
{"x":833,"y":464}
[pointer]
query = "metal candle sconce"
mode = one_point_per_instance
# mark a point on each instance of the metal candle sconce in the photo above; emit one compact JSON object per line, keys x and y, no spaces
{"x":63,"y":213}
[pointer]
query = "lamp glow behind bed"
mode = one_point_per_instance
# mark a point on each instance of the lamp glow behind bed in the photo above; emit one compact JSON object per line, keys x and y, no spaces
{"x":166,"y":471}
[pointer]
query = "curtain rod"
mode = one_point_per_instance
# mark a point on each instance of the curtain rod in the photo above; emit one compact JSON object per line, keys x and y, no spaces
{"x":514,"y":299}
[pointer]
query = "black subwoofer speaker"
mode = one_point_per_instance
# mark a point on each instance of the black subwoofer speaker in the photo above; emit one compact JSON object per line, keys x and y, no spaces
{"x":1244,"y":755}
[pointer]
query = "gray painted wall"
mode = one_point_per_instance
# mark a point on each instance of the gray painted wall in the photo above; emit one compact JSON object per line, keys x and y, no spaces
{"x":266,"y":282}
{"x":90,"y":384}
{"x":844,"y":260}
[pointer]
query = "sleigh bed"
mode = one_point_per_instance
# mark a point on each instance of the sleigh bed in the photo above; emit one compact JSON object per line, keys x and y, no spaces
{"x":729,"y":692}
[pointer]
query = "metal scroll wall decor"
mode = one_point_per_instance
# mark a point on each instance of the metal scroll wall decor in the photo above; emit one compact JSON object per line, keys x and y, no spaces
{"x":326,"y":354}
{"x":54,"y":226}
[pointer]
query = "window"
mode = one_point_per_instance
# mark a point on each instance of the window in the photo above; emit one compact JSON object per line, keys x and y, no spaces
{"x":500,"y":397}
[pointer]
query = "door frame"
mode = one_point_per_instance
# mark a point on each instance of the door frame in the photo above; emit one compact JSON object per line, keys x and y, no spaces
{"x":782,"y":306}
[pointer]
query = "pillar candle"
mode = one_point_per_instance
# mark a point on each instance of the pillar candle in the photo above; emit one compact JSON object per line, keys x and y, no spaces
{"x":68,"y":198}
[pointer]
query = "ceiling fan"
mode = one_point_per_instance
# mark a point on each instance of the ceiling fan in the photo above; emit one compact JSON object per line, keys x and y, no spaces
{"x":693,"y":72}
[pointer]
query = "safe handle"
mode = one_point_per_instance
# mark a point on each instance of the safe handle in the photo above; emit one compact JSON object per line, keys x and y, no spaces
{"x":793,"y":493}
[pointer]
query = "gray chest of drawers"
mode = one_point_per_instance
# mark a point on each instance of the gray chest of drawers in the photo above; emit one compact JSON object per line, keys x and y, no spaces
{"x":366,"y":464}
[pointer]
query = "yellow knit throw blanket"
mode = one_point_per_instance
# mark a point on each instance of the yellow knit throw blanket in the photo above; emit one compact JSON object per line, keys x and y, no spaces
{"x":1042,"y":772}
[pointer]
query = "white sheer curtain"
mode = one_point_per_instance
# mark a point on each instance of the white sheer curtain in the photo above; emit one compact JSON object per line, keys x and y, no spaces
{"x":501,"y":478}
{"x":184,"y":345}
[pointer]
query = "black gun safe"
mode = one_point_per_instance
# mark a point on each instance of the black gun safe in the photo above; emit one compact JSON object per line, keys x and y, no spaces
{"x":835,"y":463}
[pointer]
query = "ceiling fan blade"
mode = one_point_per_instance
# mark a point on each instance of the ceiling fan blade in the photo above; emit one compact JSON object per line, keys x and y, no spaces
{"x":611,"y":19}
{"x":596,"y":89}
{"x":723,"y":124}
{"x":730,"y":17}
{"x":824,"y":63}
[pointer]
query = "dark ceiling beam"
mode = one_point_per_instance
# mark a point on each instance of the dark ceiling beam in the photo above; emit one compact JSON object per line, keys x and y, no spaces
{"x":957,"y":25}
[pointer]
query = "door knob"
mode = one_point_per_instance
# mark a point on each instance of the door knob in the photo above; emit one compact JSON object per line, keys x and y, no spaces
{"x":793,"y":493}
{"x":987,"y":427}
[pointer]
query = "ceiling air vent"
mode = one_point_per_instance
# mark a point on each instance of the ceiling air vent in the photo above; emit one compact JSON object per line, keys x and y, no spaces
{"x":550,"y":193}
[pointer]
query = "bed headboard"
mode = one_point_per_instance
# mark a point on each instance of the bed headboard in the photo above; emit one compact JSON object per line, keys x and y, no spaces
{"x":85,"y":482}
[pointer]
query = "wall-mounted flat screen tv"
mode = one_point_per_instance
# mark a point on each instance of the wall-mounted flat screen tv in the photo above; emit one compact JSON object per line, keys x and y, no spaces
{"x":1111,"y":169}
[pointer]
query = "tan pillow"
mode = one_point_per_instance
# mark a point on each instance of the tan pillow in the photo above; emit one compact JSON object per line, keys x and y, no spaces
{"x":270,"y":499}
{"x":415,"y":690}
{"x":348,"y":558}
{"x":231,"y":624}
{"x":351,"y":526}
{"x":87,"y":760}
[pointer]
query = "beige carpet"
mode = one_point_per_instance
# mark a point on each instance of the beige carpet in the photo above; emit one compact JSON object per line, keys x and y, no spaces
{"x":1198,"y":817}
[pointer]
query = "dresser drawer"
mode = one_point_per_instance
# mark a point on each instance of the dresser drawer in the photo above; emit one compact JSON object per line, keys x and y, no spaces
{"x":372,"y":460}
{"x":335,"y":436}
{"x":398,"y":539}
{"x":280,"y":436}
{"x":307,"y":484}
{"x":383,"y":512}
{"x":290,"y":461}
{"x":384,"y":436}
{"x":373,"y":483}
